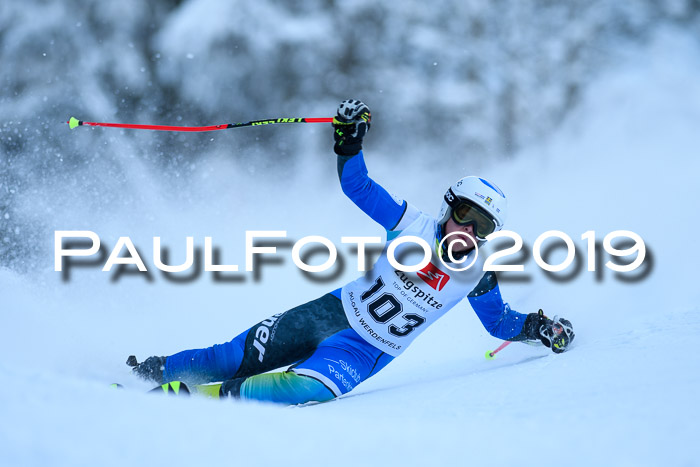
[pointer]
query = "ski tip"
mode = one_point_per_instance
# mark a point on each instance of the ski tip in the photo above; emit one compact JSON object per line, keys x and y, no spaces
{"x":116,"y":386}
{"x":73,"y":122}
{"x":489,"y":355}
{"x":177,"y":388}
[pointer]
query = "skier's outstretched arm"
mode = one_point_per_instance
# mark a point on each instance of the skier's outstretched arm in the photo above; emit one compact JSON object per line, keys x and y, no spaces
{"x":351,"y":124}
{"x":505,"y":323}
{"x":496,"y":315}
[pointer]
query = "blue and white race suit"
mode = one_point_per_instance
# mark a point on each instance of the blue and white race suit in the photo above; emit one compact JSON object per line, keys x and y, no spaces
{"x":337,"y":341}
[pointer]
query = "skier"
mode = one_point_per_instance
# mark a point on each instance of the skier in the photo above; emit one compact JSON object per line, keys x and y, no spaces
{"x":339,"y":340}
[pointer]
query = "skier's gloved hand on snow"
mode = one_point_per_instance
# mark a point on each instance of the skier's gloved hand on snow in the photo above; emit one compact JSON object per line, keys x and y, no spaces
{"x":350,"y":125}
{"x":556,"y":334}
{"x":150,"y":369}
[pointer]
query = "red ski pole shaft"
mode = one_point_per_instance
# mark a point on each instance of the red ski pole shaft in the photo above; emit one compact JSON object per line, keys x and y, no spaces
{"x":74,"y":122}
{"x":492,"y":353}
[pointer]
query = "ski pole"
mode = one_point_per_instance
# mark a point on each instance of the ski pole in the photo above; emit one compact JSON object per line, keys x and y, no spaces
{"x":74,"y":122}
{"x":491,"y":354}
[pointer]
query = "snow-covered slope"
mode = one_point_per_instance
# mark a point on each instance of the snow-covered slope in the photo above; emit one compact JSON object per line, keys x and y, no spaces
{"x":626,"y":393}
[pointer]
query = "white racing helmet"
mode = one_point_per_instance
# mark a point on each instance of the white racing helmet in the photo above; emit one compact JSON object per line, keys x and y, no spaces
{"x":475,"y":199}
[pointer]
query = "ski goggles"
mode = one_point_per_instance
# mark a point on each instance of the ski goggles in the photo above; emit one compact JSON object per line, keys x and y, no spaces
{"x":465,"y":213}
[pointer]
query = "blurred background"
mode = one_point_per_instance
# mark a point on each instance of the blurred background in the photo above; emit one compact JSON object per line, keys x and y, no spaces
{"x":453,"y":82}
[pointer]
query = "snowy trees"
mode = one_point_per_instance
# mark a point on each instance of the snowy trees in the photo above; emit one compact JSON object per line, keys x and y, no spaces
{"x":467,"y":79}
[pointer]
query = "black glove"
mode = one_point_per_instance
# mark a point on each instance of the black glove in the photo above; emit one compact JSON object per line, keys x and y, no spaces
{"x":150,"y":369}
{"x":351,"y":124}
{"x":556,"y":334}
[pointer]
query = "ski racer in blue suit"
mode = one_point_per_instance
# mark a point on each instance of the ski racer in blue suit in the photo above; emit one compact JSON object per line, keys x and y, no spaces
{"x":335,"y":342}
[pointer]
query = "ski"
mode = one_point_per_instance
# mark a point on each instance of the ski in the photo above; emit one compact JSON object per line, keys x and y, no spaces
{"x":177,"y":388}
